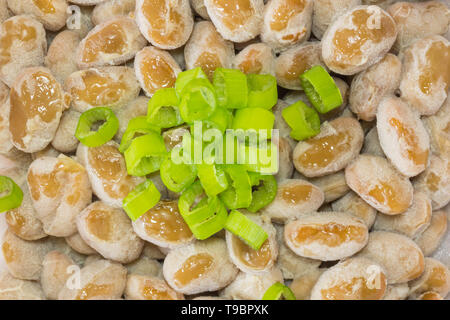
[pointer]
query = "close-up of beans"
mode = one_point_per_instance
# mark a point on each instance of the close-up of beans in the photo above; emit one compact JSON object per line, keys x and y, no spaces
{"x":105,"y":106}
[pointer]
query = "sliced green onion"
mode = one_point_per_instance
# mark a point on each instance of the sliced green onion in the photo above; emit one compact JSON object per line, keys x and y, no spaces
{"x":277,"y":290}
{"x":187,"y":76}
{"x":254,"y":119}
{"x":231,"y":88}
{"x":192,"y":212}
{"x":163,"y":109}
{"x":303,"y":120}
{"x":321,"y":89}
{"x":212,"y":178}
{"x":136,"y":126}
{"x":177,"y":176}
{"x":246,"y":229}
{"x":221,"y":119}
{"x":145,"y":154}
{"x":144,"y":197}
{"x":262,"y":91}
{"x":239,"y":193}
{"x":204,"y":218}
{"x":264,"y":191}
{"x":105,"y":132}
{"x":211,"y":225}
{"x":265,"y":161}
{"x":11,"y":195}
{"x":198,"y":100}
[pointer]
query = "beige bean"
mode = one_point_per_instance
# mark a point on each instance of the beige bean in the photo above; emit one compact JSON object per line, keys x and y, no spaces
{"x":372,"y":144}
{"x":5,"y":13}
{"x":430,"y":239}
{"x":59,"y":244}
{"x":353,"y":204}
{"x":165,"y":24}
{"x":155,"y":69}
{"x":426,"y":74}
{"x":60,"y":57}
{"x":124,"y":41}
{"x":236,"y":20}
{"x":23,"y":45}
{"x":23,"y":221}
{"x":199,"y":7}
{"x":399,"y":291}
{"x":325,"y":11}
{"x":153,"y":251}
{"x":65,"y":140}
{"x":430,"y":295}
{"x":107,"y":172}
{"x":112,"y":87}
{"x":163,"y":226}
{"x":37,"y":102}
{"x":292,"y":96}
{"x":286,"y":23}
{"x":5,"y":137}
{"x":285,"y":165}
{"x":256,"y":58}
{"x":77,"y":243}
{"x":16,"y":289}
{"x":410,"y":223}
{"x":418,"y":20}
{"x":303,"y":285}
{"x":377,"y":182}
{"x":438,"y":129}
{"x":249,"y":286}
{"x":99,"y":280}
{"x":52,"y":14}
{"x":398,"y":255}
{"x":374,"y":30}
{"x":145,"y":266}
{"x":337,"y":144}
{"x":199,"y":267}
{"x":352,"y":279}
{"x":111,"y":9}
{"x":136,"y":108}
{"x":435,"y":278}
{"x":173,"y":137}
{"x":370,"y":86}
{"x":24,"y":258}
{"x":292,"y":265}
{"x":108,"y":230}
{"x":149,"y":288}
{"x":60,"y":190}
{"x":290,"y":64}
{"x":15,"y":165}
{"x":326,"y":236}
{"x":333,"y":185}
{"x":49,"y":151}
{"x":402,"y":136}
{"x":248,"y":259}
{"x":435,"y":182}
{"x":207,"y":49}
{"x":92,"y":258}
{"x":55,"y":273}
{"x":294,"y":197}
